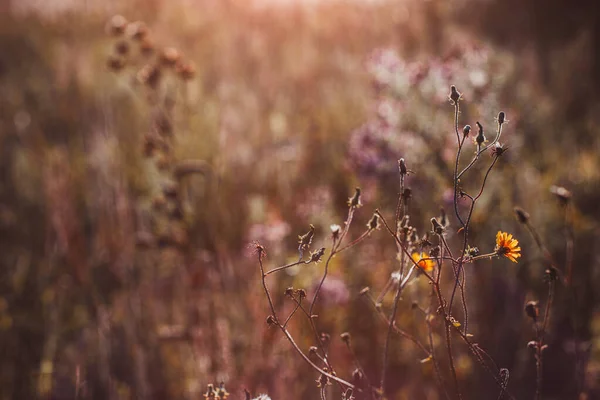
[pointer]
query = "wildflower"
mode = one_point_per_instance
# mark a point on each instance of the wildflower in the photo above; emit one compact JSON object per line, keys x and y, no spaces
{"x":423,"y":261}
{"x":507,"y":246}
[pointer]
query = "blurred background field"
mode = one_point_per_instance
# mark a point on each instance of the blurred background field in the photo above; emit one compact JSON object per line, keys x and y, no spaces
{"x":139,"y":160}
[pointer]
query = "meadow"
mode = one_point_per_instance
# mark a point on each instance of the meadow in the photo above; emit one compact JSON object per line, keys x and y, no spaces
{"x":298,"y":200}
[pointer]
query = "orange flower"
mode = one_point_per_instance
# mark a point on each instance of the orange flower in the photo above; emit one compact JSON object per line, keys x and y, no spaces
{"x":507,"y":246}
{"x":423,"y":261}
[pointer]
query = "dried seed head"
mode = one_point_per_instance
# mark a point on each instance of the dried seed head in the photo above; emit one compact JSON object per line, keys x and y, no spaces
{"x":335,"y":231}
{"x":316,"y":255}
{"x":402,"y":167}
{"x":345,"y":338}
{"x":186,"y":70}
{"x":149,"y":75}
{"x":306,"y":239}
{"x":532,"y":345}
{"x":435,"y":252}
{"x":222,"y":392}
{"x":169,"y":56}
{"x":312,"y":350}
{"x":437,"y":228}
{"x":210,"y":391}
{"x":289,"y":292}
{"x":354,"y":201}
{"x":373,"y":222}
{"x":115,"y":63}
{"x":498,"y":149}
{"x":480,"y":139}
{"x":522,"y":215}
{"x":357,"y":377}
{"x":116,"y":26}
{"x":137,"y":30}
{"x":455,"y":95}
{"x":146,"y":46}
{"x":532,"y":310}
{"x":301,"y":293}
{"x":551,"y":274}
{"x":562,"y":194}
{"x":466,"y":130}
{"x":501,"y":118}
{"x":271,"y":320}
{"x":122,"y":47}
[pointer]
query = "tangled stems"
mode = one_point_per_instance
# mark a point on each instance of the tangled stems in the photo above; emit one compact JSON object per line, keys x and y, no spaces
{"x":283,"y":329}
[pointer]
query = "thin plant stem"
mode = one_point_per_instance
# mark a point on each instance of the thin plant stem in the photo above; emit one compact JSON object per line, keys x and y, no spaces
{"x":289,"y":336}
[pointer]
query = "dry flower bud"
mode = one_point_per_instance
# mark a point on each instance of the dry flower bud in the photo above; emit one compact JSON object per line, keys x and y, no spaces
{"x":137,"y":30}
{"x":501,"y":118}
{"x":532,"y":345}
{"x":437,"y":228}
{"x":364,"y":291}
{"x":325,"y":337}
{"x":354,"y":201}
{"x":563,"y":195}
{"x":316,"y":255}
{"x":169,"y":56}
{"x":480,"y":139}
{"x":146,"y":46}
{"x":271,"y":320}
{"x":345,"y":338}
{"x":115,"y":63}
{"x":116,"y":26}
{"x":335,"y":231}
{"x":551,"y":274}
{"x":149,"y":75}
{"x":289,"y":292}
{"x":522,"y":215}
{"x":373,"y":222}
{"x":402,"y":167}
{"x":312,"y":350}
{"x":532,"y":310}
{"x":466,"y":130}
{"x":186,"y":70}
{"x":122,"y":47}
{"x":306,"y":239}
{"x":454,"y":95}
